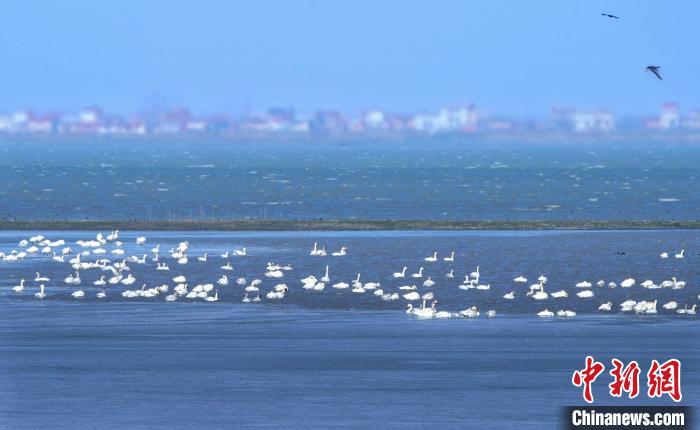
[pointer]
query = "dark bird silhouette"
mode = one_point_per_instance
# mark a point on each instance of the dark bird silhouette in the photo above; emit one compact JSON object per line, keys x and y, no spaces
{"x":654,"y":70}
{"x":610,"y":16}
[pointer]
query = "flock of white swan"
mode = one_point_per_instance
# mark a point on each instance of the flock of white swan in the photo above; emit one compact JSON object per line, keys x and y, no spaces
{"x":91,"y":256}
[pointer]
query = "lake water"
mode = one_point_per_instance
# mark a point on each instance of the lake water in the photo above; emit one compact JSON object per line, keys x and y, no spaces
{"x":151,"y":365}
{"x":334,"y":359}
{"x":442,"y":179}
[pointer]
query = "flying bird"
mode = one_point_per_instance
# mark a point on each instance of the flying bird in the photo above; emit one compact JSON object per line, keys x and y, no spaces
{"x":610,"y":16}
{"x":654,"y":70}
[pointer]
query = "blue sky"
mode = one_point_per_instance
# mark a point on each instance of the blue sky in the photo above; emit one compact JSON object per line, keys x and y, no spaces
{"x":510,"y":57}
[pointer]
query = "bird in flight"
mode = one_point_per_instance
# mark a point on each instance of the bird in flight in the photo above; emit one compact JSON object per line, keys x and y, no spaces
{"x":654,"y":70}
{"x":610,"y":16}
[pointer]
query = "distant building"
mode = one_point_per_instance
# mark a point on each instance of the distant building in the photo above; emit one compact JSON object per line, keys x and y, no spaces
{"x":45,"y":124}
{"x":568,"y":119}
{"x":375,"y":120}
{"x":90,"y":115}
{"x":593,"y":122}
{"x":328,"y":122}
{"x":462,"y":119}
{"x":668,"y":119}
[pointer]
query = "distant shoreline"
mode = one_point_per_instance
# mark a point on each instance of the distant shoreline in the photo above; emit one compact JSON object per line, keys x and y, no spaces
{"x":346,"y":225}
{"x":515,"y":137}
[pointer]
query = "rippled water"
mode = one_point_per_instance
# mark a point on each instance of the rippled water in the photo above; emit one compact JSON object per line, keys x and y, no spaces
{"x":566,"y":258}
{"x":424,"y":179}
{"x":153,"y":365}
{"x":336,"y":359}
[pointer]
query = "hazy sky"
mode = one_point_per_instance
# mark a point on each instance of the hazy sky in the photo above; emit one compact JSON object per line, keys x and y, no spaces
{"x":518,"y":57}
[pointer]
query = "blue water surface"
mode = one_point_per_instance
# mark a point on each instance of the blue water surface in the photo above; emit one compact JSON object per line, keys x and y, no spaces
{"x":429,"y":178}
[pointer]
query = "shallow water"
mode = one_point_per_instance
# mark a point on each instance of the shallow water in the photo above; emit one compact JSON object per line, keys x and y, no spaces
{"x":437,"y":179}
{"x":565,"y":257}
{"x":154,"y":365}
{"x":334,"y":359}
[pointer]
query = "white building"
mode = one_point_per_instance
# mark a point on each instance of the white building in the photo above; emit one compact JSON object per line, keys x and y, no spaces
{"x":593,"y":122}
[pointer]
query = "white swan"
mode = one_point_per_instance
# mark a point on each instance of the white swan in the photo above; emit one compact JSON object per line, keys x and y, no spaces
{"x":276,"y":295}
{"x":583,"y":284}
{"x":605,"y":307}
{"x":585,"y":294}
{"x":140,"y":240}
{"x":241,"y":252}
{"x":73,"y":280}
{"x":472,"y":312}
{"x":102,"y":294}
{"x":213,"y":299}
{"x":566,"y":313}
{"x":387,"y":297}
{"x":39,"y":278}
{"x":358,"y":288}
{"x":41,"y":294}
{"x":342,"y":252}
{"x":627,"y":283}
{"x":672,"y":305}
{"x":451,"y":258}
{"x":413,"y":295}
{"x":680,"y":254}
{"x":428,"y":282}
{"x":341,"y":285}
{"x":223,"y":280}
{"x":202,"y":258}
{"x":227,"y":266}
{"x":627,"y":306}
{"x":79,"y":294}
{"x":274,"y":274}
{"x":520,"y":280}
{"x":540,"y":295}
{"x":545,"y":314}
{"x":315,"y":251}
{"x":651,"y":308}
{"x":19,"y":288}
{"x":371,"y":285}
{"x":419,"y":274}
{"x":475,"y":274}
{"x":431,"y":259}
{"x":560,"y":294}
{"x":325,"y":277}
{"x":509,"y":296}
{"x":451,"y":274}
{"x":401,"y":274}
{"x":423,"y":312}
{"x":663,"y":255}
